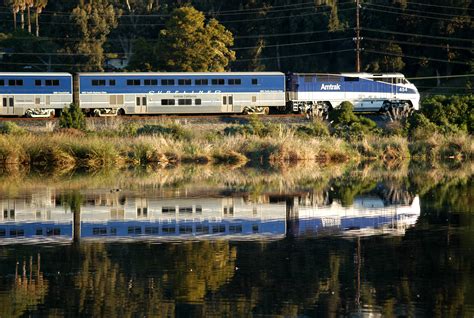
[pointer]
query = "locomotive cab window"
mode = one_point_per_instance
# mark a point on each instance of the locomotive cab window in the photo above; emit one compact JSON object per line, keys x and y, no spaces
{"x":111,"y":82}
{"x":254,"y":81}
{"x":351,"y":79}
{"x":37,"y":82}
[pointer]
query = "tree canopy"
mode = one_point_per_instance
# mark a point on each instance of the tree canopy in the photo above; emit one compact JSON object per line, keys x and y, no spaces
{"x":430,"y":38}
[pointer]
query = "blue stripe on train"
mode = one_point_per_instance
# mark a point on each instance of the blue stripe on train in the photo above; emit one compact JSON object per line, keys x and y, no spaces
{"x":29,"y":87}
{"x":270,"y":83}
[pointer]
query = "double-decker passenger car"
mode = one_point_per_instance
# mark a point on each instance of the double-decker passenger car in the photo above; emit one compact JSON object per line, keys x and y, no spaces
{"x":34,"y":94}
{"x":367,"y":92}
{"x":176,"y":93}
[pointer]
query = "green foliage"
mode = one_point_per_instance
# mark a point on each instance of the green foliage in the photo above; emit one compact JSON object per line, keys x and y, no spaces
{"x":95,"y":20}
{"x":72,"y":117}
{"x":343,"y":115}
{"x":129,"y":130}
{"x":254,"y":127}
{"x":420,"y":127}
{"x":317,"y":128}
{"x":174,"y":130}
{"x":347,"y":125}
{"x":450,"y":113}
{"x":10,"y":128}
{"x":189,"y":44}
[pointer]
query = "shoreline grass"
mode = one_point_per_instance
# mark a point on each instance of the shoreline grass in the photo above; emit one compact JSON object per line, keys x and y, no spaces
{"x":171,"y":143}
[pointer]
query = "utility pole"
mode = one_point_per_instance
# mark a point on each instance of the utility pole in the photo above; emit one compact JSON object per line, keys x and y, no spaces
{"x":357,"y":38}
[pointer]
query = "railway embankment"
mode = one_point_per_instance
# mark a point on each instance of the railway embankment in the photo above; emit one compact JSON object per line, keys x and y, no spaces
{"x":250,"y":141}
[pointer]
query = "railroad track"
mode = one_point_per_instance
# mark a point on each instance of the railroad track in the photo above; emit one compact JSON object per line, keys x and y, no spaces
{"x":151,"y":117}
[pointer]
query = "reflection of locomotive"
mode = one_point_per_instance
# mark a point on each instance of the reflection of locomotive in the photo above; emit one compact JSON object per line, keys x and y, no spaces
{"x":115,"y":215}
{"x":368,"y":214}
{"x":106,"y":94}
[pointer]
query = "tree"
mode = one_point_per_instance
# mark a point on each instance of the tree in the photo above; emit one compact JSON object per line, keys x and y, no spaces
{"x":391,"y":62}
{"x":15,"y":7}
{"x":72,"y":117}
{"x":95,"y":20}
{"x":188,"y":44}
{"x":39,"y":6}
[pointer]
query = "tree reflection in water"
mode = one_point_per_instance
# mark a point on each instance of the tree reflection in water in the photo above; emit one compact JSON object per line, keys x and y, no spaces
{"x":428,"y":271}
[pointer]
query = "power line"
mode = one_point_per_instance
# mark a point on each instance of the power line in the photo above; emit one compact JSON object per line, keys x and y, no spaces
{"x":443,"y":76}
{"x":416,"y":11}
{"x":419,"y":35}
{"x":291,"y":44}
{"x":420,"y":44}
{"x":437,"y":6}
{"x":295,"y":55}
{"x":416,"y":57}
{"x":155,"y":40}
{"x":121,"y":53}
{"x":407,"y":14}
{"x":222,"y":22}
{"x":223,"y":12}
{"x":237,"y":61}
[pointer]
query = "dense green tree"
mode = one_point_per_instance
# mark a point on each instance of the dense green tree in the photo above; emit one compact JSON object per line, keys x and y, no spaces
{"x":189,"y":44}
{"x":95,"y":20}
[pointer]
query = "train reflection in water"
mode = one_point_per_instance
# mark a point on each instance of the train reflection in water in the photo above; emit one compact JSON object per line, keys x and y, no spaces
{"x":47,"y":216}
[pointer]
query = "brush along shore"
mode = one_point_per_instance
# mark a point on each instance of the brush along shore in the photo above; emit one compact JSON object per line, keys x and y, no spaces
{"x":253,"y":143}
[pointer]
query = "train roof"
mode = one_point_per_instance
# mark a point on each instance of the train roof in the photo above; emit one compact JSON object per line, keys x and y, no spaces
{"x":34,"y":74}
{"x":179,"y":73}
{"x":355,"y":74}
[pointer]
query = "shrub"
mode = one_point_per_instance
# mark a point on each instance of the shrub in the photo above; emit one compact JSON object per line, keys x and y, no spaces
{"x":419,"y":127}
{"x":450,"y":114}
{"x":173,"y":130}
{"x":72,"y":117}
{"x":317,"y":128}
{"x":348,"y":126}
{"x":254,"y":127}
{"x":128,"y":130}
{"x":10,"y":128}
{"x":343,"y":115}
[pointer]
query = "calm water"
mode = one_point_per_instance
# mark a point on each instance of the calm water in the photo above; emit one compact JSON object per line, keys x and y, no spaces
{"x":192,"y":243}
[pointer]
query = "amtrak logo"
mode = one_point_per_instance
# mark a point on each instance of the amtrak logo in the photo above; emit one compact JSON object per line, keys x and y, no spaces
{"x":330,"y":87}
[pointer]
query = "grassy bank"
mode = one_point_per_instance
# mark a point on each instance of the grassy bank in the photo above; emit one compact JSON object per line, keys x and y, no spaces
{"x":72,"y":149}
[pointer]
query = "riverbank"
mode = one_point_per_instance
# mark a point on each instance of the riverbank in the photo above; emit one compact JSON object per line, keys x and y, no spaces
{"x":174,"y":144}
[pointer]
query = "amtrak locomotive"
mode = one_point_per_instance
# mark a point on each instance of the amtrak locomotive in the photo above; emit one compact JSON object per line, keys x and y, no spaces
{"x":110,"y":94}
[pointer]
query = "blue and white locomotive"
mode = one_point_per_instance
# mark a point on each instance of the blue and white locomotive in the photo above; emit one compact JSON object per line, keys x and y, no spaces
{"x":34,"y":94}
{"x":178,"y":93}
{"x":110,"y":94}
{"x":320,"y":93}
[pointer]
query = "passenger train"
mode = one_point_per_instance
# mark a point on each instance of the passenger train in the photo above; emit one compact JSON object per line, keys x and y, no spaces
{"x":42,"y":217}
{"x":110,"y":94}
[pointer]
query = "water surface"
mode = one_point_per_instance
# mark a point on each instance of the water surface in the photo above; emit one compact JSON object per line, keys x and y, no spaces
{"x":193,"y":243}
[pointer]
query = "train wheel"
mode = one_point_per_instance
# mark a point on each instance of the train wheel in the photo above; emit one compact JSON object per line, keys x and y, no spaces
{"x":266,"y":110}
{"x":121,"y":112}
